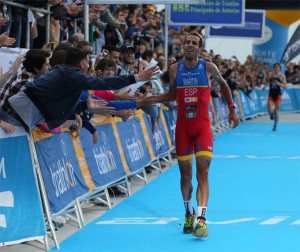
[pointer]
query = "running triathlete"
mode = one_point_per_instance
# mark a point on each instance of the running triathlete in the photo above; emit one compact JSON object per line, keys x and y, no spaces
{"x":190,"y":84}
{"x":275,"y":80}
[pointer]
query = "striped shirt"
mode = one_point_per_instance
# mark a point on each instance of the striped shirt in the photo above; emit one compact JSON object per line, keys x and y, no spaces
{"x":15,"y":84}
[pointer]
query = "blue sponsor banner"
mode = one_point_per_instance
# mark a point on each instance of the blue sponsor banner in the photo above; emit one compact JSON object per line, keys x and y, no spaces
{"x":260,"y":98}
{"x":263,"y":100}
{"x":271,"y":48}
{"x":60,"y":170}
{"x":297,"y":94}
{"x":21,"y":214}
{"x":171,"y":123}
{"x":160,"y":137}
{"x":217,"y":109}
{"x":253,"y":27}
{"x":254,"y":103}
{"x":224,"y":109}
{"x":211,"y":115}
{"x":158,"y":140}
{"x":289,"y":99}
{"x":249,"y":106}
{"x":103,"y":159}
{"x":212,"y":12}
{"x":133,"y":144}
{"x":236,"y":101}
{"x":245,"y":104}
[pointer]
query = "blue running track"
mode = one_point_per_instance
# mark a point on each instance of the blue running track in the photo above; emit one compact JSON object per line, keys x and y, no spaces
{"x":254,"y":203}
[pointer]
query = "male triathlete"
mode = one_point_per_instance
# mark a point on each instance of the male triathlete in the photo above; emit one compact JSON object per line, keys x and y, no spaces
{"x":190,"y":84}
{"x":275,"y":80}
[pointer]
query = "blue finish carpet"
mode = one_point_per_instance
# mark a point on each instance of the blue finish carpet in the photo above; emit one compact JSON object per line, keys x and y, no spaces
{"x":254,"y":203}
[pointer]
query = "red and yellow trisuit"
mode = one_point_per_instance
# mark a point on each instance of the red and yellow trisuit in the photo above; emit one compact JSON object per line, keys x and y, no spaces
{"x":193,"y":132}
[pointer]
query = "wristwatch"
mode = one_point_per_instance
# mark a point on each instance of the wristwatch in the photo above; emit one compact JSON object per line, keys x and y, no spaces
{"x":232,"y":106}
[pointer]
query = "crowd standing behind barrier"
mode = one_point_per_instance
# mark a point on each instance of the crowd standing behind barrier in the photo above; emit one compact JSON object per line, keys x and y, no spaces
{"x":76,"y":169}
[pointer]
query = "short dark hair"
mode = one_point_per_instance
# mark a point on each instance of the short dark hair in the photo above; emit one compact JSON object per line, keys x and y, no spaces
{"x":165,"y":76}
{"x":147,"y":53}
{"x":84,"y":43}
{"x":105,"y":63}
{"x":111,"y":48}
{"x":278,"y":64}
{"x":75,"y":55}
{"x":35,"y":58}
{"x":58,"y":57}
{"x":63,"y":46}
{"x":73,"y":38}
{"x":194,"y":34}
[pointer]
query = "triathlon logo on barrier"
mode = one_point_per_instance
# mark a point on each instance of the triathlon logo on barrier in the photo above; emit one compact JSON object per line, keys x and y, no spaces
{"x":158,"y":139}
{"x":7,"y":197}
{"x":62,"y":173}
{"x":135,"y":147}
{"x":286,"y":100}
{"x":104,"y":157}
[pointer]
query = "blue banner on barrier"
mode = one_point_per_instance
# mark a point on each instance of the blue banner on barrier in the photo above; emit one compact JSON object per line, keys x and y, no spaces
{"x":238,"y":109}
{"x":224,"y":109}
{"x":297,"y":94}
{"x":103,"y":159}
{"x":171,"y":123}
{"x":211,"y":115}
{"x":133,"y":144}
{"x":217,"y":109}
{"x":21,"y":214}
{"x":210,"y":13}
{"x":249,"y":105}
{"x":60,"y":170}
{"x":289,"y":101}
{"x":158,"y":140}
{"x":253,"y":28}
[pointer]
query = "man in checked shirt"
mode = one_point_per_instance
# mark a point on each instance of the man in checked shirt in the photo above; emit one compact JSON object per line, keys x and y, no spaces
{"x":35,"y":65}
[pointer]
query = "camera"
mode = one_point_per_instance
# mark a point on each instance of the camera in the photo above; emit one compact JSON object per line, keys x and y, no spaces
{"x":123,"y":25}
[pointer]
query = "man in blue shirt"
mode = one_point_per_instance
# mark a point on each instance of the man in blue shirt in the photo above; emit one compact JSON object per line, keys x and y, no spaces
{"x":55,"y":96}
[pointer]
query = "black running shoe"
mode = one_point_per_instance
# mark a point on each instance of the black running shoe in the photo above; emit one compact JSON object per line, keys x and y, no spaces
{"x":274,"y":127}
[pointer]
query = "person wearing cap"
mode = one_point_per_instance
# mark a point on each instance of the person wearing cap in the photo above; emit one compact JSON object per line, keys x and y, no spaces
{"x":127,"y":58}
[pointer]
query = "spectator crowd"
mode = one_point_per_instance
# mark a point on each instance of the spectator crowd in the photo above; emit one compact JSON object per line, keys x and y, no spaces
{"x":128,"y":37}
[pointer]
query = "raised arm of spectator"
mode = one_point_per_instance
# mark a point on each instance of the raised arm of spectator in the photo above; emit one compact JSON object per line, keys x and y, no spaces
{"x":122,"y":105}
{"x":111,"y":83}
{"x":14,"y":69}
{"x":6,"y":41}
{"x":106,"y":18}
{"x":124,"y":96}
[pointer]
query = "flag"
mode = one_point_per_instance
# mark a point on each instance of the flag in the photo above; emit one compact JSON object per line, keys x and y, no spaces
{"x":293,"y":48}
